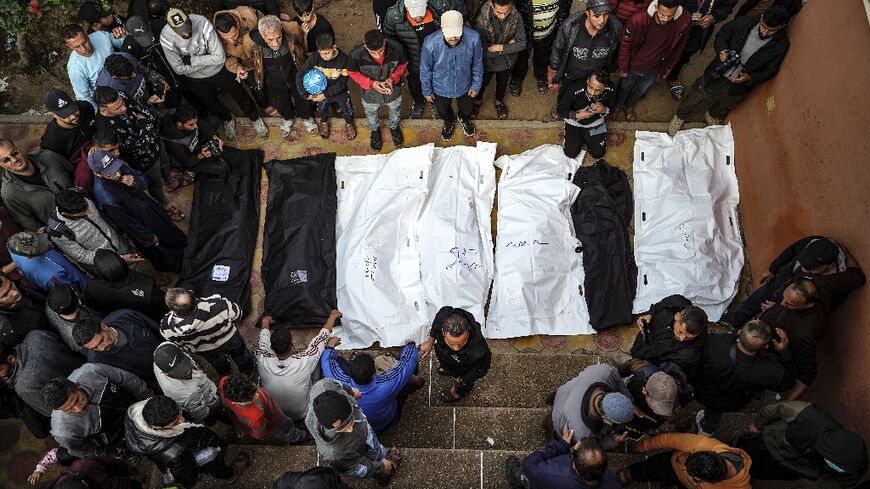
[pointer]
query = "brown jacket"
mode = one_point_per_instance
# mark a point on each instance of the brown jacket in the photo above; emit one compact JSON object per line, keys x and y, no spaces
{"x":245,"y":52}
{"x":685,"y":444}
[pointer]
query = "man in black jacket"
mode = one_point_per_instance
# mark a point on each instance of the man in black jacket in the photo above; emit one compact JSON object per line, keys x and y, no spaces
{"x":735,"y":368}
{"x":125,"y":339}
{"x":705,"y":15}
{"x":71,"y":127}
{"x":141,"y":43}
{"x":22,"y":309}
{"x":792,"y":440}
{"x":461,"y":350}
{"x":186,"y":135}
{"x":584,"y":104}
{"x":673,"y":330}
{"x":156,"y":428}
{"x":116,"y":286}
{"x":761,"y":44}
{"x":425,"y":19}
{"x":542,"y":23}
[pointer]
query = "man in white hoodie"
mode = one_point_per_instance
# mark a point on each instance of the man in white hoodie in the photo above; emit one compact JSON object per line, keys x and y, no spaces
{"x":195,"y":52}
{"x":181,"y":379}
{"x":287,"y":376}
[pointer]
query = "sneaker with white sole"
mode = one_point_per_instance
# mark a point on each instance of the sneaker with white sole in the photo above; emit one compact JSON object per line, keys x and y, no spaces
{"x":467,"y":127}
{"x":310,"y":125}
{"x":260,"y":127}
{"x":286,"y":127}
{"x":230,"y":129}
{"x":674,"y":126}
{"x":698,"y":418}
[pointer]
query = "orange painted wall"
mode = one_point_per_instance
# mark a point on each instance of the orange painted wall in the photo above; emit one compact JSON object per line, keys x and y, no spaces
{"x":804,"y":168}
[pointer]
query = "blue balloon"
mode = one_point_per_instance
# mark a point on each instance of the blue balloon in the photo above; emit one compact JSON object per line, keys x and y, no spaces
{"x":314,"y":82}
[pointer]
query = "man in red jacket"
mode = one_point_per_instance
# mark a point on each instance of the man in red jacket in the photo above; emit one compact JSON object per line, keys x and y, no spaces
{"x":652,"y":42}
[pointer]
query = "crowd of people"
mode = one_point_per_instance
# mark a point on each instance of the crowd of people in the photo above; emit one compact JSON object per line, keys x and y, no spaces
{"x":114,"y":365}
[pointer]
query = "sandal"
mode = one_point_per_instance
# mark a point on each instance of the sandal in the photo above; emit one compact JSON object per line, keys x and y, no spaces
{"x":501,"y":110}
{"x":187,"y":178}
{"x":174,"y":214}
{"x":677,"y":91}
{"x":447,"y":396}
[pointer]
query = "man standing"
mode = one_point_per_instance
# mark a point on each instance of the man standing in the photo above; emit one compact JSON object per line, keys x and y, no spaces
{"x":586,"y":42}
{"x":30,"y":182}
{"x":584,"y":104}
{"x":451,"y":67}
{"x":673,"y":330}
{"x":791,"y":440}
{"x":124,"y":339}
{"x":255,"y":413}
{"x":750,"y":51}
{"x":89,"y":53}
{"x":71,"y":126}
{"x":503,"y":37}
{"x":90,"y":407}
{"x":378,"y":67}
{"x":205,"y":326}
{"x":541,"y":20}
{"x":410,"y":22}
{"x":582,"y":465}
{"x":180,"y":378}
{"x":234,"y":27}
{"x":651,"y":44}
{"x":461,"y":350}
{"x":194,"y":51}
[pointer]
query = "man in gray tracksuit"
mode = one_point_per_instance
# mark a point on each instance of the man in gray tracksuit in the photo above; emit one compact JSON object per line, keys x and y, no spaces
{"x":195,"y":52}
{"x":90,"y":407}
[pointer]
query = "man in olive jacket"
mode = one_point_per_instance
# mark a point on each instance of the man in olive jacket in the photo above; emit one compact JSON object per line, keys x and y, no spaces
{"x":30,"y":181}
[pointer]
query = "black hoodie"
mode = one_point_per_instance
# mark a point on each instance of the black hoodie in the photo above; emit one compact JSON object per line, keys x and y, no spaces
{"x":115,"y":286}
{"x":663,"y":346}
{"x":472,"y":361}
{"x":316,"y":478}
{"x":184,"y":146}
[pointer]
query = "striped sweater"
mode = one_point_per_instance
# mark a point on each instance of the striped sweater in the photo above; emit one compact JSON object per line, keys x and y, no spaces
{"x":208,"y":328}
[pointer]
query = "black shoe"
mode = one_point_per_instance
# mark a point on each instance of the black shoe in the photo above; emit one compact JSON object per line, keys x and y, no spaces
{"x":514,"y":470}
{"x":447,"y":131}
{"x":516,"y":90}
{"x":476,"y":110}
{"x":467,"y":127}
{"x":376,"y":142}
{"x":543,"y":86}
{"x":417,"y":110}
{"x":398,"y":138}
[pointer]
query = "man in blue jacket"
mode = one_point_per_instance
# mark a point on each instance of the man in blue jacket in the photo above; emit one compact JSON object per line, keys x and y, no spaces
{"x":125,"y":339}
{"x":451,"y":67}
{"x":382,"y":394}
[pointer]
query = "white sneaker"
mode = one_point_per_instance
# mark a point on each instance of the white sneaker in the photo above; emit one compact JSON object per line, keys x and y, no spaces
{"x":286,"y":127}
{"x":262,"y":130}
{"x":698,"y":418}
{"x":230,"y":129}
{"x":310,"y":125}
{"x":674,"y":126}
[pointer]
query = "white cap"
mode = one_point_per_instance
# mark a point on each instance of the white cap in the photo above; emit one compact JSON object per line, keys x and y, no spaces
{"x":451,"y":24}
{"x":416,"y":8}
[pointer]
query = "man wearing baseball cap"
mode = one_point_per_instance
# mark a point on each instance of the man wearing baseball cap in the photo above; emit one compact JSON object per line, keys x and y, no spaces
{"x":451,"y":68}
{"x":98,"y":20}
{"x":72,"y":124}
{"x":181,"y":379}
{"x":142,"y":43}
{"x":654,"y":397}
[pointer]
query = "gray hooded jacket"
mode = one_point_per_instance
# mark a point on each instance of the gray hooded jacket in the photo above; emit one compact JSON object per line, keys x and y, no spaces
{"x":41,"y":357}
{"x":195,"y":395}
{"x":204,"y":47}
{"x":568,"y":406}
{"x":91,"y":234}
{"x":64,"y":327}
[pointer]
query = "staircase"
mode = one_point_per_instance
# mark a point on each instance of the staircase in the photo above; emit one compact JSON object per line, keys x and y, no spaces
{"x":465,"y":445}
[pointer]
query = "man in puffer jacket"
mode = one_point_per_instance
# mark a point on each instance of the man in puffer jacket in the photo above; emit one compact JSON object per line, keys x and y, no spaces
{"x":78,"y":230}
{"x":42,"y":265}
{"x":195,"y":52}
{"x":183,"y":451}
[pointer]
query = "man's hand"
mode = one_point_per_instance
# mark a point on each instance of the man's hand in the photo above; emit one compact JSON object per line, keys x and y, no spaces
{"x":706,"y":21}
{"x":330,"y":320}
{"x":241,"y":73}
{"x":740,"y":79}
{"x":621,"y":438}
{"x":266,"y":322}
{"x":767,"y":305}
{"x":551,"y":73}
{"x":156,"y":99}
{"x":429,"y":98}
{"x":389,"y":467}
{"x":118,"y":32}
{"x":766,"y":277}
{"x":639,"y":322}
{"x":472,"y":93}
{"x":426,"y":347}
{"x":382,"y":87}
{"x":128,"y":180}
{"x":356,"y":393}
{"x":623,"y":74}
{"x":495,"y":48}
{"x":317,"y":98}
{"x":583,"y":114}
{"x":34,"y":478}
{"x":131,"y":258}
{"x":306,"y":27}
{"x":333,"y":341}
{"x":752,"y":428}
{"x":782,"y":344}
{"x":598,"y":108}
{"x":567,"y":434}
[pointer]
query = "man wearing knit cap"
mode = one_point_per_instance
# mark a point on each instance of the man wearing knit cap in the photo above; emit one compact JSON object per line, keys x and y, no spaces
{"x":592,"y":404}
{"x":451,"y":68}
{"x":342,"y":434}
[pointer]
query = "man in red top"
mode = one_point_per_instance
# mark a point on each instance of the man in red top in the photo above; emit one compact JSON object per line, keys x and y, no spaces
{"x":652,"y":42}
{"x":255,"y":413}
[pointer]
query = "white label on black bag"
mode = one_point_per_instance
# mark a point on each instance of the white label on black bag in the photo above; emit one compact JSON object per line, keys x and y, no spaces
{"x":220,"y":273}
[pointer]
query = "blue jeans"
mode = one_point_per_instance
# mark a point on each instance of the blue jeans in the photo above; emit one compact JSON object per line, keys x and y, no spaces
{"x":376,"y":452}
{"x":342,"y":100}
{"x":632,"y":88}
{"x":394,"y":109}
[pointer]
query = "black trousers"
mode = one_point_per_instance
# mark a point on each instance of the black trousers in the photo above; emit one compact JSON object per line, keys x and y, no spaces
{"x":540,"y":54}
{"x":234,"y":348}
{"x":287,"y":101}
{"x":501,"y":83}
{"x":415,"y":86}
{"x":204,"y":95}
{"x":445,"y":107}
{"x":576,"y":137}
{"x":764,"y":465}
{"x":697,"y":40}
{"x":656,"y":468}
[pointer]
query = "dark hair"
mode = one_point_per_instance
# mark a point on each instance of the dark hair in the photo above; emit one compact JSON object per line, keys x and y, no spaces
{"x":281,"y":339}
{"x":5,"y":351}
{"x":181,"y":301}
{"x":806,"y":288}
{"x":602,"y":76}
{"x":362,"y":368}
{"x":238,"y":388}
{"x":589,"y":459}
{"x":706,"y":466}
{"x":374,"y":39}
{"x":755,"y":335}
{"x":160,"y":411}
{"x":325,"y":41}
{"x":502,"y":3}
{"x":65,"y":458}
{"x":455,"y":325}
{"x":775,"y":16}
{"x":158,"y":7}
{"x":303,"y":6}
{"x":62,"y":299}
{"x":694,"y":319}
{"x":84,"y":331}
{"x":119,"y":66}
{"x":105,"y":95}
{"x":71,"y":31}
{"x":105,"y":137}
{"x":57,"y":391}
{"x":185,"y":112}
{"x":70,"y":200}
{"x":669,"y":3}
{"x":224,"y":22}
